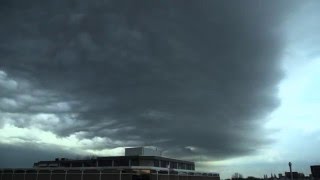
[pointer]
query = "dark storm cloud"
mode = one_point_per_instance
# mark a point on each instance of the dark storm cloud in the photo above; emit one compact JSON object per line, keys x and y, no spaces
{"x":187,"y":76}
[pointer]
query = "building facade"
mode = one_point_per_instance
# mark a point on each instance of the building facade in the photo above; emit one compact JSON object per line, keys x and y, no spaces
{"x":134,"y":166}
{"x":119,"y":161}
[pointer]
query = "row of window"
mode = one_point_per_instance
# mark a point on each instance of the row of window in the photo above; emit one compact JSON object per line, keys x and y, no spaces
{"x":101,"y":163}
{"x":126,"y":162}
{"x":173,"y":165}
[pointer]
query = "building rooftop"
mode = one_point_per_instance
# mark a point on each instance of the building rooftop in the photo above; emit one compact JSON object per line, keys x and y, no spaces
{"x":133,"y":157}
{"x":137,"y":164}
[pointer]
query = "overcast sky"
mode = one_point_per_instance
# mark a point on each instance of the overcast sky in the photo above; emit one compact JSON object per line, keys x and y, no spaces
{"x":233,"y":86}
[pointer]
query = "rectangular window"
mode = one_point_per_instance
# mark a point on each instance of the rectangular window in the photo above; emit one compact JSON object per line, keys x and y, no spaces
{"x":121,"y":162}
{"x":174,"y":165}
{"x":89,"y":164}
{"x":65,"y":164}
{"x":134,"y":162}
{"x":164,"y":164}
{"x":156,"y":163}
{"x":104,"y":163}
{"x":77,"y":164}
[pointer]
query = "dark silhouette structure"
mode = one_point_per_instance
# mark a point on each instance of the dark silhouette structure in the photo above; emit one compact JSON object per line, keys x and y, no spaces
{"x":295,"y":175}
{"x":315,"y":170}
{"x":136,"y":165}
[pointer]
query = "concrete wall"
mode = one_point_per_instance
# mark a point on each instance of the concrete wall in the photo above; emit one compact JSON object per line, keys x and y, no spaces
{"x":151,"y":152}
{"x":133,"y":151}
{"x":141,"y":151}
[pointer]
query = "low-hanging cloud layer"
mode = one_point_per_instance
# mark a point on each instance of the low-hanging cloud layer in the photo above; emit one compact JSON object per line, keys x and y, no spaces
{"x":191,"y":78}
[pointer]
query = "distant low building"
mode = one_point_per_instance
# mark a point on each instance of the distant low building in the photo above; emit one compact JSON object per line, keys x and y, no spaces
{"x":315,"y":170}
{"x":295,"y":175}
{"x":280,"y":175}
